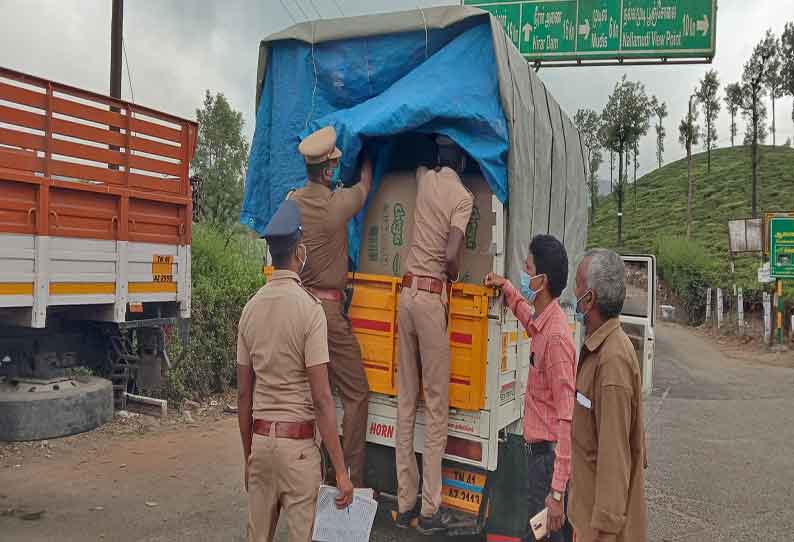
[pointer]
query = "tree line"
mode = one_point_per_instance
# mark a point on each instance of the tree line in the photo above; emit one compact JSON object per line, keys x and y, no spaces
{"x":630,"y":110}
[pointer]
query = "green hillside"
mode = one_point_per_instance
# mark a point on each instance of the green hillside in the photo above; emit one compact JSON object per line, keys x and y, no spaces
{"x":661,"y":202}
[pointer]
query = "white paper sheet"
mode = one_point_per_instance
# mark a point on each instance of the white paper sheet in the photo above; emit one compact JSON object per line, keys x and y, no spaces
{"x":353,"y":524}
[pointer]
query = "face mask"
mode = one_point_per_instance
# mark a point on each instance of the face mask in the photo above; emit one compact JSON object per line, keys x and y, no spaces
{"x":305,"y":258}
{"x":526,"y":289}
{"x":579,"y":316}
{"x":333,"y":175}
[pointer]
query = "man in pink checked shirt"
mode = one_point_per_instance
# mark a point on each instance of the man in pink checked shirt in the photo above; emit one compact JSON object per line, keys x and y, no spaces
{"x":549,"y":400}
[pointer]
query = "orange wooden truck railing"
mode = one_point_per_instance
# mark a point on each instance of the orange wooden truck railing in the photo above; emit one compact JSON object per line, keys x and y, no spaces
{"x":74,"y":163}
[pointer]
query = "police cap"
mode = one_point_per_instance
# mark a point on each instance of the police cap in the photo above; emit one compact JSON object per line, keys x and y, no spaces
{"x":320,"y":146}
{"x":284,"y":229}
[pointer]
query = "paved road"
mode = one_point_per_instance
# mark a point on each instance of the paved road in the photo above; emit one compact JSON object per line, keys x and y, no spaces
{"x":719,"y":434}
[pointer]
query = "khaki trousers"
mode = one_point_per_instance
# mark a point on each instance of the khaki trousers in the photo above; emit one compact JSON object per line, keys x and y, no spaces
{"x":347,"y":376}
{"x":284,"y":476}
{"x":422,"y":322}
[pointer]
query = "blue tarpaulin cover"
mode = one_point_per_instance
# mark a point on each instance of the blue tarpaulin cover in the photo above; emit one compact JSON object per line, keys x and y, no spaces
{"x":372,"y":88}
{"x":449,"y":69}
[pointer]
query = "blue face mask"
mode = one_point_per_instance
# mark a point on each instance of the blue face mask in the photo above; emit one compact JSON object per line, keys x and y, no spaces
{"x":526,"y":290}
{"x":579,"y":316}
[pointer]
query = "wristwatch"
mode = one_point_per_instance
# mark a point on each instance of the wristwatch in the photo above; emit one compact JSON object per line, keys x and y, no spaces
{"x":556,"y":495}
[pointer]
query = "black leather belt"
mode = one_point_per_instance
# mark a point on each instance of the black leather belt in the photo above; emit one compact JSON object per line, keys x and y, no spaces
{"x":539,"y":448}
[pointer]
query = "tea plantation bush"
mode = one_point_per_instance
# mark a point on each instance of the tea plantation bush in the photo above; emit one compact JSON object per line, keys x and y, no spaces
{"x":687,"y":269}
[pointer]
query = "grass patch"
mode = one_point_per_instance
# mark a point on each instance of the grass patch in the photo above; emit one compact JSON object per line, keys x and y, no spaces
{"x":226,"y":272}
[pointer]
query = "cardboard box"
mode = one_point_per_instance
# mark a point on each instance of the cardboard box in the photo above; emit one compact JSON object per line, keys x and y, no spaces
{"x":476,"y":259}
{"x":388,"y":228}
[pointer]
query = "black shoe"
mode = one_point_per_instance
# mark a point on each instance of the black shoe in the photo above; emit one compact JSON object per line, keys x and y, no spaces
{"x":404,"y":519}
{"x":436,"y":524}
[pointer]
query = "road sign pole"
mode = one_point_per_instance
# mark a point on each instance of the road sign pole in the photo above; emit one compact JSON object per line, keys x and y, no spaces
{"x":779,"y":311}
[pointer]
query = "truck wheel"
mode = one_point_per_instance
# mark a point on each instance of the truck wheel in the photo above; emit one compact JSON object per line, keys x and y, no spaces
{"x":36,"y":411}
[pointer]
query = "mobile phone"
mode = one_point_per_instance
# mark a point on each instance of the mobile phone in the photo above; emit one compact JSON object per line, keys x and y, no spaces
{"x":539,"y":524}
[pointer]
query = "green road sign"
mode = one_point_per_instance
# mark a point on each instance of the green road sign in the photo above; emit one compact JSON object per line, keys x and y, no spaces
{"x":582,"y":30}
{"x":781,"y":250}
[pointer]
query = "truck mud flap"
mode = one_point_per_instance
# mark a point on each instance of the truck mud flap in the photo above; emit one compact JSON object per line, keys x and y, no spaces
{"x":508,"y":510}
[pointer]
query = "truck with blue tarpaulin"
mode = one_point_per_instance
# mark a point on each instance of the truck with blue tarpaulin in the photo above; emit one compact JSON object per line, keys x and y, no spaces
{"x":388,"y":83}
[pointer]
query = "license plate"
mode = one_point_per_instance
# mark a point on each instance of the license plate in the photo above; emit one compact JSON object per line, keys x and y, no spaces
{"x":463,"y":490}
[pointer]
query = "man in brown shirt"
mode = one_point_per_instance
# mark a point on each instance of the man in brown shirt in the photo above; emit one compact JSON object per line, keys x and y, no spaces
{"x":607,"y":501}
{"x":325,"y":214}
{"x":282,"y":377}
{"x":443,"y":208}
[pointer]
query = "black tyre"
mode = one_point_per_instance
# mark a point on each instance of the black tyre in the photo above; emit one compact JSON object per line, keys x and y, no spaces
{"x":34,"y":412}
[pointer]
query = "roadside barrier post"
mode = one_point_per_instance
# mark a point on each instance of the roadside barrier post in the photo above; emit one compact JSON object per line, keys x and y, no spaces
{"x":708,"y":305}
{"x":767,"y":318}
{"x":740,"y":311}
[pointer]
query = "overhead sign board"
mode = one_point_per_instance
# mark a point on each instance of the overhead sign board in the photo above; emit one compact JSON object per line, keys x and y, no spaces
{"x":588,"y":30}
{"x":781,"y":248}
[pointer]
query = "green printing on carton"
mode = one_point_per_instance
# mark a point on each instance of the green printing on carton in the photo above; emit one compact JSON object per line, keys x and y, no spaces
{"x":471,"y":228}
{"x":398,"y":225}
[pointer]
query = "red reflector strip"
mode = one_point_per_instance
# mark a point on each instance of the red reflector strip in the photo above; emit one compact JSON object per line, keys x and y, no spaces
{"x":373,"y":325}
{"x":464,"y":448}
{"x":462,"y":338}
{"x":508,"y":385}
{"x":456,"y":380}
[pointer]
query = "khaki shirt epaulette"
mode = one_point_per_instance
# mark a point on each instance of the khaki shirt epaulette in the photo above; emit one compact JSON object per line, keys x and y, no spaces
{"x":311,"y":295}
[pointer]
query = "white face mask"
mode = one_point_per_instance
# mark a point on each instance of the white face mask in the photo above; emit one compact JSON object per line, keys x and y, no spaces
{"x":305,"y":258}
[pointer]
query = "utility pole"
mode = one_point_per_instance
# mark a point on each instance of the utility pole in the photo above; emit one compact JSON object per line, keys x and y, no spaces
{"x":691,"y":194}
{"x":116,"y":33}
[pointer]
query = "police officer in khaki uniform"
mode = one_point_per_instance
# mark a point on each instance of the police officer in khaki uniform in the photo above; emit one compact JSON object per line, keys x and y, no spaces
{"x":325,"y":214}
{"x":443,"y":208}
{"x":282,"y":376}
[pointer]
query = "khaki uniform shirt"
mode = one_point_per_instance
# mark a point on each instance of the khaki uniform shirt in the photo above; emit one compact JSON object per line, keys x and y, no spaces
{"x":442,"y":203}
{"x":324,"y":217}
{"x":282,"y":332}
{"x":608,"y":456}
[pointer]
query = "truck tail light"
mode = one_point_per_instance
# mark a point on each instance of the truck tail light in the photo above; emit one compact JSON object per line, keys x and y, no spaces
{"x":468,"y":449}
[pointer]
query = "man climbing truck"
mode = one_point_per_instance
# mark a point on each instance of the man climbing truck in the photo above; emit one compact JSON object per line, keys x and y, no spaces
{"x":324,"y":215}
{"x":95,"y":218}
{"x":390,"y":83}
{"x":443,"y":209}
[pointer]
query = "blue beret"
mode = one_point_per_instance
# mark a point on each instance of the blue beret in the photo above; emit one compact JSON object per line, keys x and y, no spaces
{"x":285,"y":226}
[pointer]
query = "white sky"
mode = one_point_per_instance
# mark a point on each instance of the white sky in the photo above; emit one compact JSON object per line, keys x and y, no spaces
{"x":179,"y":48}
